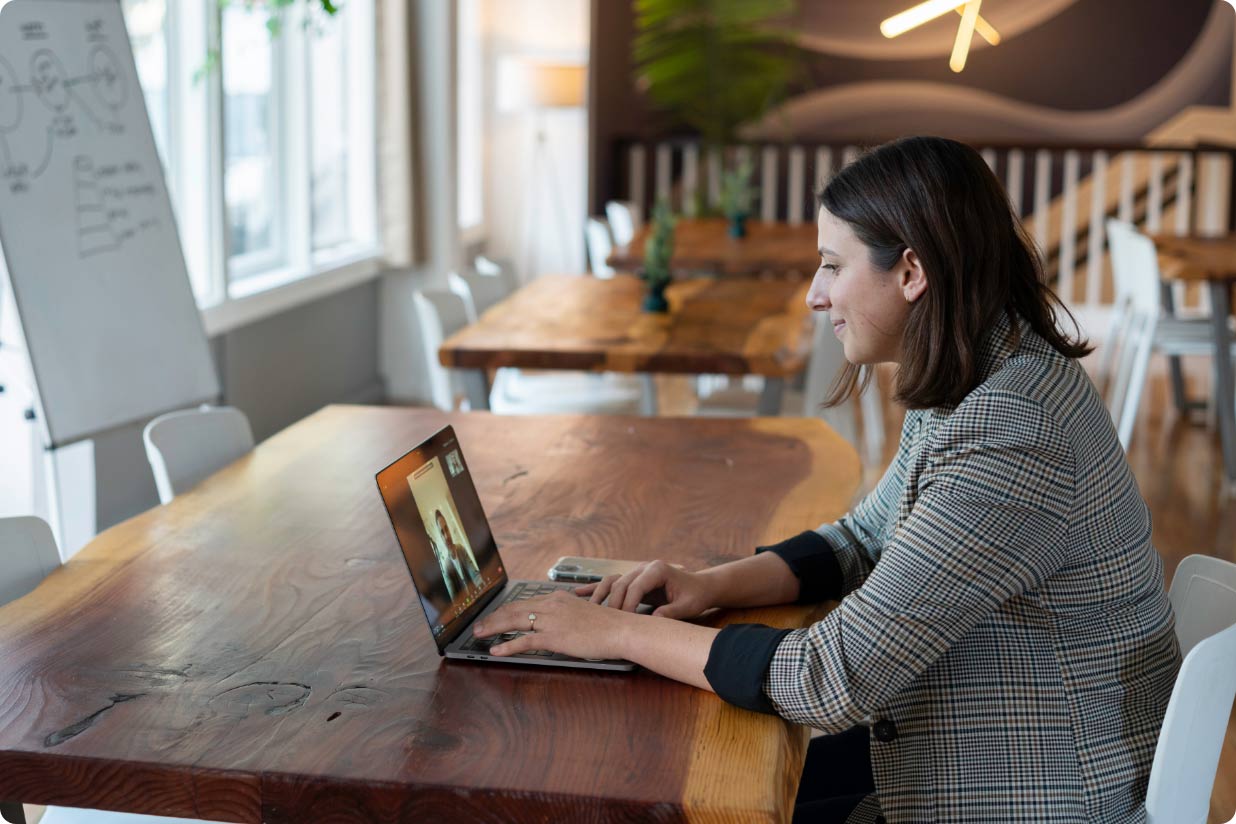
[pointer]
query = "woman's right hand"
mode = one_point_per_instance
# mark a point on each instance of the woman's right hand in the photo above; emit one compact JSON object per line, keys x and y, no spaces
{"x":680,"y":594}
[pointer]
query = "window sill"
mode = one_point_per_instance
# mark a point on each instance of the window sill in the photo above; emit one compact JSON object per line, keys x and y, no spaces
{"x":270,"y":294}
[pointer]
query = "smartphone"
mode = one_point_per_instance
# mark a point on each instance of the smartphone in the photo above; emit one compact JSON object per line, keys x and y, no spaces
{"x":575,"y":570}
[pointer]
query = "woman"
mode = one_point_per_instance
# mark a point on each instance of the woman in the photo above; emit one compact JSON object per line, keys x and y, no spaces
{"x":455,"y":559}
{"x":1003,"y":635}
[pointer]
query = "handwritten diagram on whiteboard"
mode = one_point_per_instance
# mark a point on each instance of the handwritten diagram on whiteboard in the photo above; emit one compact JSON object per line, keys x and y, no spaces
{"x":86,"y":225}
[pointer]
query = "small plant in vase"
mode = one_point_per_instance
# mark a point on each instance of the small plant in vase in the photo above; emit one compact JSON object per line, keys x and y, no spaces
{"x":737,"y":196}
{"x":658,"y":251}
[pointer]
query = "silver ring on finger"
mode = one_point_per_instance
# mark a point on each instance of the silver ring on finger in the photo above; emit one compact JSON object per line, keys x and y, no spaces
{"x":531,"y":622}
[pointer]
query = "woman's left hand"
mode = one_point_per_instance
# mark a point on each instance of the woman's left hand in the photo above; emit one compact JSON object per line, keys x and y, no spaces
{"x":564,"y":623}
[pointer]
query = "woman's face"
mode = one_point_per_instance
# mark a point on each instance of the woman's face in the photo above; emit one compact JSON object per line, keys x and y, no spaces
{"x":867,"y":308}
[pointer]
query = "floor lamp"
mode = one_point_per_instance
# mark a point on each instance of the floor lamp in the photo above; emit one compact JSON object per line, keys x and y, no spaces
{"x":537,"y":86}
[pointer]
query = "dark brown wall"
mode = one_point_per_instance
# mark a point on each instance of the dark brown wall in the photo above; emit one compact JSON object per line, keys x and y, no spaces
{"x":1092,"y":56}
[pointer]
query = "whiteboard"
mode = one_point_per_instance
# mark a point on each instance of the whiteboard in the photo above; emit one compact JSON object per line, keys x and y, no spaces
{"x":86,"y":226}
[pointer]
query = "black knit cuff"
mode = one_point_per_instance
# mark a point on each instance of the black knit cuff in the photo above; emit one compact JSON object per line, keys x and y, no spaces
{"x":812,"y":560}
{"x":738,"y":663}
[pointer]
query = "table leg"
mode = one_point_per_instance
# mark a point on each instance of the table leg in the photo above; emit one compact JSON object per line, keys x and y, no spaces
{"x":1225,"y":394}
{"x":770,"y":398}
{"x":648,"y":401}
{"x":12,"y":812}
{"x":476,"y":387}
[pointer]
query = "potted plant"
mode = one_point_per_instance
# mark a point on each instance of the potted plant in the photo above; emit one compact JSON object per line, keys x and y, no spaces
{"x":737,"y":195}
{"x":658,"y":251}
{"x":714,"y":65}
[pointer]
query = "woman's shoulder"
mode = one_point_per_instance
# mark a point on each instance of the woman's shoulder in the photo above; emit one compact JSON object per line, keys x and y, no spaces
{"x":1028,"y":396}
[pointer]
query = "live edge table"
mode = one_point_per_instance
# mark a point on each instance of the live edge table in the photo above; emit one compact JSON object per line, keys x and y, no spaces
{"x":579,"y":322}
{"x":254,"y":651}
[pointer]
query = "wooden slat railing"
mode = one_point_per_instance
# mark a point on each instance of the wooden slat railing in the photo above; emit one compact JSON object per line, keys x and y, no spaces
{"x":1064,"y":194}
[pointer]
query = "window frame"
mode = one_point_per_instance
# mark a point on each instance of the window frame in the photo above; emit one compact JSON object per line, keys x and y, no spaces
{"x":237,"y":291}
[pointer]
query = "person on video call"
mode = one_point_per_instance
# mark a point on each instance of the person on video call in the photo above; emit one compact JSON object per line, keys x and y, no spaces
{"x":456,"y":558}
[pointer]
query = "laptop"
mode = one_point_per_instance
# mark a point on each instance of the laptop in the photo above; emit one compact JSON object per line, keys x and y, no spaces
{"x":453,"y":558}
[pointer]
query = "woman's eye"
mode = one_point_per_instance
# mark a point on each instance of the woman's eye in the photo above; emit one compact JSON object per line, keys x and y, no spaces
{"x":832,"y":267}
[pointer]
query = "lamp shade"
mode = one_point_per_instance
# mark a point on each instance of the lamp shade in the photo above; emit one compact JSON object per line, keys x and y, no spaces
{"x":527,"y":83}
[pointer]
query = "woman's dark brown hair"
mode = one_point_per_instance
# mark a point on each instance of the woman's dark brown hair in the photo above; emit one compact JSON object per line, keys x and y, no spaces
{"x":939,"y":198}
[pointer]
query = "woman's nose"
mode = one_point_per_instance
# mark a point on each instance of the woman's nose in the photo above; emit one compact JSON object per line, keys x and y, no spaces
{"x":817,"y":296}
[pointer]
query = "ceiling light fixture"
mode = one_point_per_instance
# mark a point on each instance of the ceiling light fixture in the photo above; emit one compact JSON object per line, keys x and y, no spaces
{"x":971,"y":23}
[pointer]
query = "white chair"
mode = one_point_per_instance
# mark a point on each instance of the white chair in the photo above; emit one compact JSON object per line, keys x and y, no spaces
{"x":440,"y":314}
{"x":478,"y":291}
{"x":600,"y":246}
{"x":1131,"y":338}
{"x":515,"y":391}
{"x":1139,"y":289}
{"x":1182,"y":775}
{"x":501,"y":268}
{"x":29,"y":555}
{"x":186,"y":446}
{"x":624,"y":220}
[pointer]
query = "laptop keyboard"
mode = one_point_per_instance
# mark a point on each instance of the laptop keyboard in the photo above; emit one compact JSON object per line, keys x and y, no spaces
{"x":519,"y":592}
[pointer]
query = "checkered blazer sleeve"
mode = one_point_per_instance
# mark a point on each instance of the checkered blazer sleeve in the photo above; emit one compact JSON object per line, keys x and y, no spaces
{"x":989,"y":523}
{"x":834,"y":559}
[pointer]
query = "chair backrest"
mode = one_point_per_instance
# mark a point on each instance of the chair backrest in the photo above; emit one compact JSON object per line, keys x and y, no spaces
{"x":478,"y":291}
{"x":826,"y":362}
{"x":440,"y":314}
{"x":600,"y":245}
{"x":184,"y":447}
{"x":459,"y":286}
{"x":501,"y":268}
{"x":1186,"y":758}
{"x":1136,"y":262}
{"x":28,"y":554}
{"x":624,"y":220}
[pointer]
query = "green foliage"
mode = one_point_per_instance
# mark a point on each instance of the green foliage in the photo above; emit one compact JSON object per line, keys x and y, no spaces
{"x":659,"y":248}
{"x":716,"y":64}
{"x":737,"y":192}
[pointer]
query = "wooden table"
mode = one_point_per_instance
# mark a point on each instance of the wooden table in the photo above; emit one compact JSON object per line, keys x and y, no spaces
{"x":254,"y":650}
{"x":1213,"y":260}
{"x":733,"y":327}
{"x":705,"y":245}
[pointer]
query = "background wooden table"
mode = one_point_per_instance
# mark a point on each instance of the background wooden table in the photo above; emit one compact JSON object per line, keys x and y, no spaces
{"x":1212,"y":260}
{"x":734,"y":327}
{"x":254,"y":650}
{"x":704,"y":245}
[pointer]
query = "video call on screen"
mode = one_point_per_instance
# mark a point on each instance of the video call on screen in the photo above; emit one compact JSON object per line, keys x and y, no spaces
{"x":442,"y":529}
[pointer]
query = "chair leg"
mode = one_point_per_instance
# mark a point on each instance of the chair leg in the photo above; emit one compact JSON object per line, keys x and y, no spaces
{"x":12,"y":812}
{"x":1178,"y":387}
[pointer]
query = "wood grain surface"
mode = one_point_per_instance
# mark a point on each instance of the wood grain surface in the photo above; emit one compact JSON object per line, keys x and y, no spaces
{"x":1200,"y":258}
{"x":704,"y":245}
{"x":254,"y":650}
{"x":735,"y":327}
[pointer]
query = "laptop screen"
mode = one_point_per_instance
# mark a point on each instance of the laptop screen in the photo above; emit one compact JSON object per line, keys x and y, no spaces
{"x":443,"y":533}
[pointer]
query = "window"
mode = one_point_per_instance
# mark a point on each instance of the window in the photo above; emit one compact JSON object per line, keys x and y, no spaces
{"x":267,"y":141}
{"x":470,"y":101}
{"x":252,"y":179}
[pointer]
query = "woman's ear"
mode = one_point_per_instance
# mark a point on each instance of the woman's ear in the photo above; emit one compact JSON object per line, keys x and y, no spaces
{"x":913,"y":278}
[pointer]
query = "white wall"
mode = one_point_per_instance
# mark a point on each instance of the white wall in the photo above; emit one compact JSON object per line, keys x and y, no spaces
{"x":553,"y":29}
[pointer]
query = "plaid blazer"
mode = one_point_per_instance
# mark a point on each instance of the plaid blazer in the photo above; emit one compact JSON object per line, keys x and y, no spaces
{"x":1004,"y":629}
